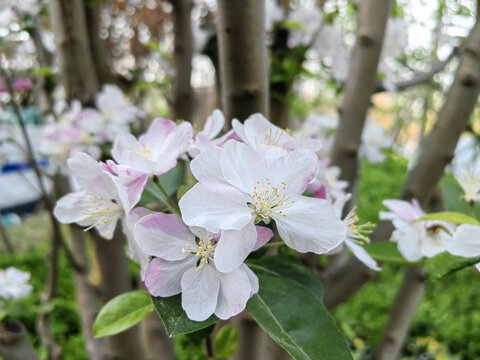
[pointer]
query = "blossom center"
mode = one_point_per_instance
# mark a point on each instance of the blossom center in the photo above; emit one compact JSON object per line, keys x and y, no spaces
{"x":356,"y":231}
{"x":146,"y":152}
{"x":101,"y":211}
{"x":271,"y":139}
{"x":268,"y":200}
{"x":204,"y":249}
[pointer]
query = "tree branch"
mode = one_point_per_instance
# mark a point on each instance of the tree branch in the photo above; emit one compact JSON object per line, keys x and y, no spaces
{"x":436,"y":153}
{"x":421,"y":77}
{"x":243,"y":57}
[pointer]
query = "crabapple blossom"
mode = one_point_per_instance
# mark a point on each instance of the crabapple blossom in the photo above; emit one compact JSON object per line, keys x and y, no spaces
{"x":465,"y":241}
{"x":104,"y":198}
{"x":309,"y":21}
{"x":156,"y":151}
{"x":14,"y":284}
{"x":415,"y":239}
{"x":396,"y":37}
{"x":185,"y":262}
{"x":237,"y":189}
{"x":327,"y":181}
{"x":356,"y":234}
{"x":273,"y":14}
{"x":261,"y":135}
{"x":468,"y":177}
{"x":374,"y":141}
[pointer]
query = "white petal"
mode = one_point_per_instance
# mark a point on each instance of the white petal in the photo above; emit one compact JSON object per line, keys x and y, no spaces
{"x":200,"y":292}
{"x":234,"y":246}
{"x":214,"y":207}
{"x":235,"y":289}
{"x":465,"y":241}
{"x":214,"y":124}
{"x":241,"y":166}
{"x":206,"y":166}
{"x":362,"y":255}
{"x":163,"y":235}
{"x":310,"y":225}
{"x":71,"y":208}
{"x":253,"y":280}
{"x":408,"y":239}
{"x":163,"y":278}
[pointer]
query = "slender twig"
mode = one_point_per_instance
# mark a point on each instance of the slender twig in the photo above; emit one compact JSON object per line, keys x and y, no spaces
{"x":169,"y":201}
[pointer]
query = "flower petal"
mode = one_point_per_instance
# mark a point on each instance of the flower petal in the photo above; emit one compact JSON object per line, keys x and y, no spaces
{"x":206,"y":166}
{"x":235,"y":289}
{"x":200,"y":292}
{"x":310,"y":225}
{"x":263,"y":235}
{"x":163,"y":235}
{"x":163,"y":278}
{"x":362,"y":255}
{"x":234,"y":246}
{"x":465,"y":241}
{"x":215,"y":206}
{"x":71,"y":208}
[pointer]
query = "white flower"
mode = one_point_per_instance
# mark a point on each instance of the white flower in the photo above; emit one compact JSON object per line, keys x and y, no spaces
{"x":396,"y":37}
{"x":237,"y":188}
{"x":104,"y":198}
{"x":185,"y":261}
{"x":374,"y":141}
{"x":465,"y":242}
{"x":156,"y":151}
{"x":309,"y":21}
{"x":468,"y":177}
{"x":416,"y":239}
{"x":356,"y":234}
{"x":14,"y":284}
{"x":328,"y":41}
{"x":327,"y":184}
{"x":273,"y":14}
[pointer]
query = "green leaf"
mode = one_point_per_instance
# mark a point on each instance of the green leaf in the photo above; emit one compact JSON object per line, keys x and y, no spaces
{"x":170,"y":181}
{"x":226,"y":341}
{"x":450,"y":216}
{"x":451,"y":193}
{"x":174,"y":317}
{"x":291,"y":267}
{"x":445,"y":264}
{"x":122,"y":313}
{"x":295,"y":318}
{"x":387,"y":251}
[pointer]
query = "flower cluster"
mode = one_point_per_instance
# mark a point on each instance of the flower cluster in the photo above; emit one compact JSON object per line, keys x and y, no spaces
{"x":250,"y":181}
{"x":86,"y":130}
{"x":14,"y":284}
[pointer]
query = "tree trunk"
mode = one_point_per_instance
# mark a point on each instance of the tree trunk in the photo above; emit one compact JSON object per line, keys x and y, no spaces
{"x":114,"y":280}
{"x":436,"y":153}
{"x":362,"y":77}
{"x":73,"y":49}
{"x":243,"y":58}
{"x":183,"y":96}
{"x":14,"y":343}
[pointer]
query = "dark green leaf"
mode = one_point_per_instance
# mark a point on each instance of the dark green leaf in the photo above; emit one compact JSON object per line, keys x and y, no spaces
{"x":445,"y":264}
{"x":226,"y":341}
{"x":291,"y":267}
{"x":174,"y":317}
{"x":387,"y":251}
{"x":122,"y":313}
{"x":170,"y":181}
{"x":295,"y":318}
{"x":450,"y":216}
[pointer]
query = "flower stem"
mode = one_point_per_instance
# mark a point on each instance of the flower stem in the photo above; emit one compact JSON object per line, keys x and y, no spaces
{"x":472,"y":208}
{"x":272,"y":244}
{"x":170,"y":203}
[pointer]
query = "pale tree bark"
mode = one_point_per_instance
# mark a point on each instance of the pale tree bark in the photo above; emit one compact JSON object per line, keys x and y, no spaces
{"x":73,"y":49}
{"x":14,"y":343}
{"x":243,"y":57}
{"x":183,"y":95}
{"x":362,"y":77}
{"x":436,"y":153}
{"x":114,"y":280}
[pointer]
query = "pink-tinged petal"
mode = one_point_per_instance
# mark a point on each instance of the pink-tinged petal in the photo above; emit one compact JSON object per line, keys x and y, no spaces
{"x":107,"y":228}
{"x":157,"y":133}
{"x":206,"y":166}
{"x":234,"y":246}
{"x":235,"y":289}
{"x":304,"y":143}
{"x":241,"y":166}
{"x":230,"y":135}
{"x":259,"y":131}
{"x":180,"y":140}
{"x":319,"y":192}
{"x":253,"y":280}
{"x":215,"y":207}
{"x":71,"y":208}
{"x":465,"y":241}
{"x":362,"y":255}
{"x":200,"y":292}
{"x":124,"y":142}
{"x":163,"y":278}
{"x":93,"y":120}
{"x":239,"y":129}
{"x":404,"y":209}
{"x":122,"y":194}
{"x":135,"y":189}
{"x":214,"y":124}
{"x":264,"y":234}
{"x":163,"y":235}
{"x":310,"y":225}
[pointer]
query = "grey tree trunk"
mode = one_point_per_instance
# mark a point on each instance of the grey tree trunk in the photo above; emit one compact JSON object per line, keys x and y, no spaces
{"x":362,"y":77}
{"x":73,"y":49}
{"x":183,"y":95}
{"x":436,"y":153}
{"x":14,"y":343}
{"x":243,"y":58}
